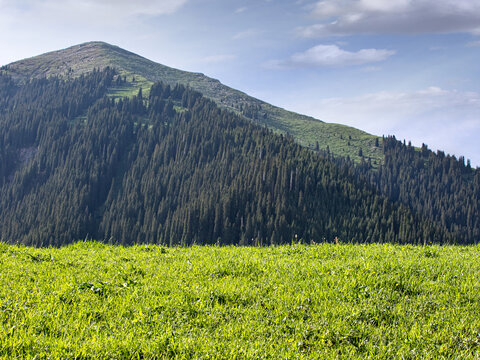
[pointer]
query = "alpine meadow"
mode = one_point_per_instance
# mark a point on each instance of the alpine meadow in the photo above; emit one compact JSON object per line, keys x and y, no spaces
{"x":152,"y":213}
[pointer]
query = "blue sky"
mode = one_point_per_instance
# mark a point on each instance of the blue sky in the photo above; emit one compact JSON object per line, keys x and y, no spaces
{"x":403,"y":67}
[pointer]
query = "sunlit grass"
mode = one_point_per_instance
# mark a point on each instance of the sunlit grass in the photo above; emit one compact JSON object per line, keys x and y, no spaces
{"x":91,"y":300}
{"x":131,"y":87}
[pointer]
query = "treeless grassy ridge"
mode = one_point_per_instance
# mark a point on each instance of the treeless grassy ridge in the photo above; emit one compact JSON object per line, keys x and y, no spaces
{"x":91,"y":300}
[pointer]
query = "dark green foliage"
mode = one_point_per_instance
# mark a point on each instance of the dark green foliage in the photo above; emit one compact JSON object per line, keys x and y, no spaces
{"x":7,"y":90}
{"x":45,"y":190}
{"x":32,"y":115}
{"x":174,"y":169}
{"x":207,"y":176}
{"x":439,"y":187}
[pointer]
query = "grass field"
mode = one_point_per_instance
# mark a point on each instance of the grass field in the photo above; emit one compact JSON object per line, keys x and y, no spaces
{"x":90,"y":300}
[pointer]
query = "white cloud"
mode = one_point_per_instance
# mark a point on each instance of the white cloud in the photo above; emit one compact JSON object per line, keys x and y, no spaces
{"x":216,"y":59}
{"x":116,"y":9}
{"x":240,"y":10}
{"x":443,"y":119}
{"x":246,"y":34}
{"x":332,"y":56}
{"x":30,"y":27}
{"x":90,"y":11}
{"x":474,"y":43}
{"x":369,"y":69}
{"x":344,"y":17}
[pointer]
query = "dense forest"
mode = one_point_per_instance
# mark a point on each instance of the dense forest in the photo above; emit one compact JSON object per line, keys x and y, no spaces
{"x":437,"y":186}
{"x":175,"y":169}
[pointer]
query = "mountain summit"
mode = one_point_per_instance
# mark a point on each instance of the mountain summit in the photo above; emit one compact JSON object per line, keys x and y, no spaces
{"x":91,"y":146}
{"x":80,"y":59}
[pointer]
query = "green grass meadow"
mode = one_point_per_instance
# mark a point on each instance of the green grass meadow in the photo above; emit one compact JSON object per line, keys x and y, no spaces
{"x":90,"y":300}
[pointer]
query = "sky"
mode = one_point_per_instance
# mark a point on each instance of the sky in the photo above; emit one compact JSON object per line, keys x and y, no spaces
{"x":408,"y":68}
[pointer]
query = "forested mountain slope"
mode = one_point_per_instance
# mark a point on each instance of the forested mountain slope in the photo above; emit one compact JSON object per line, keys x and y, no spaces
{"x":437,"y":186}
{"x":175,"y":169}
{"x":81,"y":59}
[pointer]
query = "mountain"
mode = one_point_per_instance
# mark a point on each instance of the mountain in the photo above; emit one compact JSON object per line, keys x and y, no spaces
{"x":92,"y":148}
{"x":175,"y":169}
{"x":81,"y":59}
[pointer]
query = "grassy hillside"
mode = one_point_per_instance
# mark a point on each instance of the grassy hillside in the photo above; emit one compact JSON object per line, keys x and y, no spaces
{"x":141,"y":72}
{"x":328,"y":301}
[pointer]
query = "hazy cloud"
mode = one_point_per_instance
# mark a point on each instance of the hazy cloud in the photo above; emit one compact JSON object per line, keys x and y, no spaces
{"x":332,"y":56}
{"x":246,"y":34}
{"x":29,"y":27}
{"x":88,"y":9}
{"x":215,"y":59}
{"x":344,"y":17}
{"x":371,"y":69}
{"x":473,"y":43}
{"x":240,"y":10}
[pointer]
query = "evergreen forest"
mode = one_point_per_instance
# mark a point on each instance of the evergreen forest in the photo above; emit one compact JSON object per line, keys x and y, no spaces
{"x":438,"y":186}
{"x":173,"y":168}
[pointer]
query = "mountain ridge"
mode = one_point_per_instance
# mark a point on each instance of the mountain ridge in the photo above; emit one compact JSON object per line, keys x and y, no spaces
{"x":174,"y":167}
{"x":80,"y":59}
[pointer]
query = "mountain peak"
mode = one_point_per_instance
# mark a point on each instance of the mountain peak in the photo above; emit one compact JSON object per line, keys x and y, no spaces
{"x":83,"y":58}
{"x":70,"y":62}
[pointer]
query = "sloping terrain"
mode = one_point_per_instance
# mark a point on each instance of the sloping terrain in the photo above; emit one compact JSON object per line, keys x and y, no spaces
{"x":50,"y":128}
{"x":80,"y":59}
{"x":173,"y":169}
